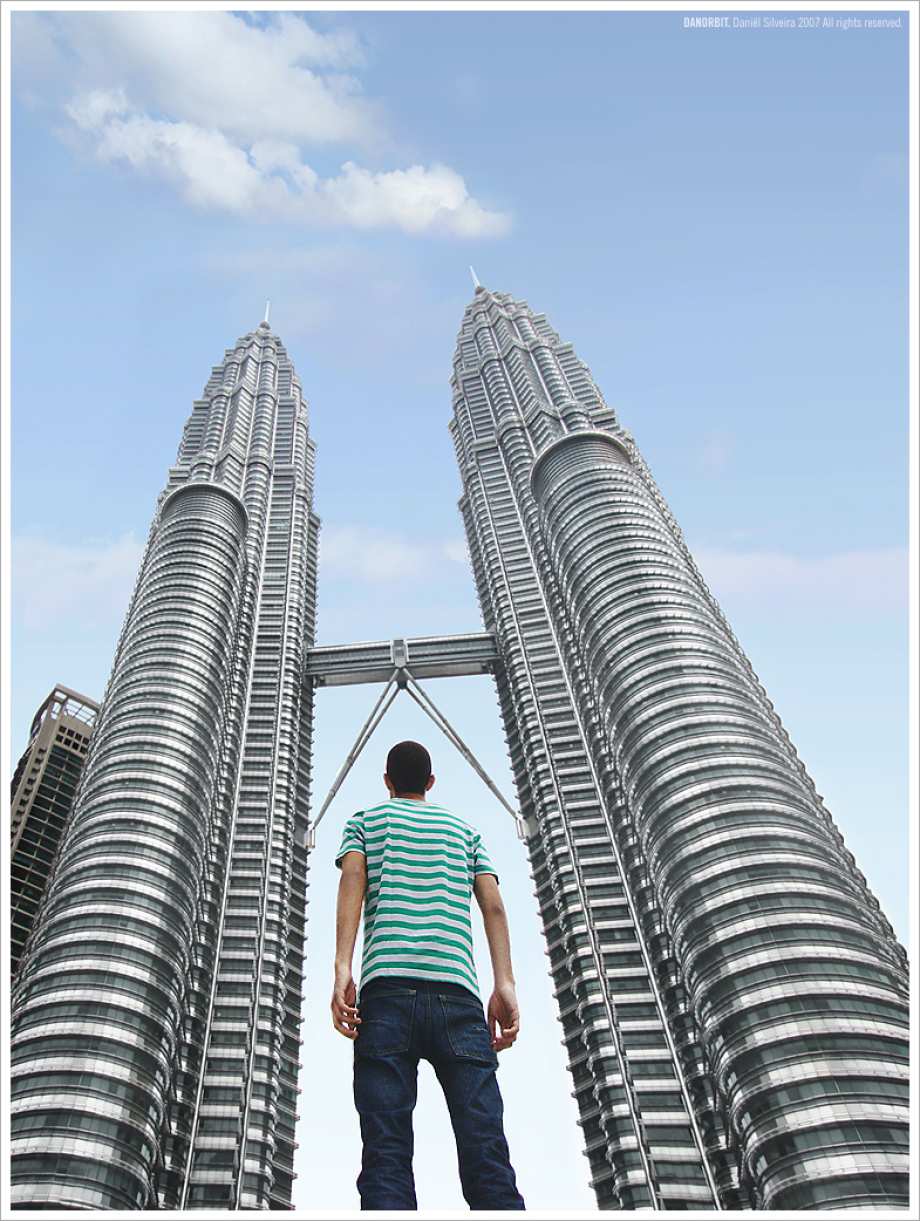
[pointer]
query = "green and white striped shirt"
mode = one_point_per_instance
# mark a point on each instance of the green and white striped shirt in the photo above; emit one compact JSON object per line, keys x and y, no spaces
{"x":421,"y":862}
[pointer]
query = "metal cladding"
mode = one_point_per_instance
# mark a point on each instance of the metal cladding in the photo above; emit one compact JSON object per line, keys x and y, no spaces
{"x":155,"y":1030}
{"x":733,"y":1001}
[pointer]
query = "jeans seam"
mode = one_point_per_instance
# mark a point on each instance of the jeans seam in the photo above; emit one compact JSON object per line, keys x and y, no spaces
{"x":458,"y":1000}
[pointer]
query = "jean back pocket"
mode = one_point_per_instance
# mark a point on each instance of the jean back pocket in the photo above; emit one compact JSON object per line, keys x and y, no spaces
{"x":386,"y":1023}
{"x":467,"y":1033}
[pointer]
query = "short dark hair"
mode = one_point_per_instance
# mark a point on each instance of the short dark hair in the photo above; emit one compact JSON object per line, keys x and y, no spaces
{"x":409,"y":767}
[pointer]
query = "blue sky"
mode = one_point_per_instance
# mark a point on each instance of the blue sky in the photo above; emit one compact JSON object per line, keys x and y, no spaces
{"x":716,"y":219}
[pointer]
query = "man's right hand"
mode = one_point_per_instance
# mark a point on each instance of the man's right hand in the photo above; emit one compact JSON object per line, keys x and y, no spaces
{"x":504,"y":1016}
{"x":344,"y":1009}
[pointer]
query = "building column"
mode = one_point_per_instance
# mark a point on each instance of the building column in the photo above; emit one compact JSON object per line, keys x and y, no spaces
{"x":794,"y":975}
{"x":97,"y":1009}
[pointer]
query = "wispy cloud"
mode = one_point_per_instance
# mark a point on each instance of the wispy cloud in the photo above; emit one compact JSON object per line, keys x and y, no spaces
{"x":364,"y":553}
{"x":222,"y":108}
{"x":871,"y":578}
{"x":86,"y":584}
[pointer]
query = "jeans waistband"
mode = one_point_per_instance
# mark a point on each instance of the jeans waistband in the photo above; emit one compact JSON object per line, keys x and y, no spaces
{"x":420,"y":985}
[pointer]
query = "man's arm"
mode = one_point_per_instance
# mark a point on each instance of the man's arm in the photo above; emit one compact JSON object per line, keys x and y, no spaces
{"x":352,"y":885}
{"x":504,"y":1016}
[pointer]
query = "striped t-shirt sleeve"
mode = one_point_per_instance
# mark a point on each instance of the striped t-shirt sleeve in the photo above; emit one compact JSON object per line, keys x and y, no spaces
{"x":481,"y":860}
{"x":352,"y":838}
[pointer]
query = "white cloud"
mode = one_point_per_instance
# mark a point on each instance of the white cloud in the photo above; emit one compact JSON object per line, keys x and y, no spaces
{"x":365,"y":553}
{"x":415,"y":199}
{"x":871,"y":578}
{"x":86,"y":583}
{"x":271,"y":181}
{"x":93,"y":110}
{"x":223,"y":108}
{"x":207,"y":168}
{"x":220,"y":71}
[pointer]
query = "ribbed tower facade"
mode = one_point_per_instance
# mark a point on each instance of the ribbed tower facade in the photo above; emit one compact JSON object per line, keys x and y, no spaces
{"x":733,"y":1001}
{"x":156,"y":1025}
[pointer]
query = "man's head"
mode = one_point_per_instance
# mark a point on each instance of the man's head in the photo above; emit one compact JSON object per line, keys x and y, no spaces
{"x":408,"y":770}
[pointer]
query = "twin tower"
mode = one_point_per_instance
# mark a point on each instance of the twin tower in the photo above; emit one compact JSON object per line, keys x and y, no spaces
{"x":734,"y":1002}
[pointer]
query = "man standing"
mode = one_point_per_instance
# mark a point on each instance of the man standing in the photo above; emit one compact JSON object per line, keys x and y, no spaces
{"x":415,"y":865}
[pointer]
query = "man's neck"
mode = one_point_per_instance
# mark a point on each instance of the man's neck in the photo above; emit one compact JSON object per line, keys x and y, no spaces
{"x":409,"y":796}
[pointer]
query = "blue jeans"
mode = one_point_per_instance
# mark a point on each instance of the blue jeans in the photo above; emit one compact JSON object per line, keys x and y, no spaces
{"x":404,"y":1020}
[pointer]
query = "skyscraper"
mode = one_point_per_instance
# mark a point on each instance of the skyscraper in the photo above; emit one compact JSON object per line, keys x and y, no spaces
{"x":733,"y":1001}
{"x":155,"y":1033}
{"x":41,"y":799}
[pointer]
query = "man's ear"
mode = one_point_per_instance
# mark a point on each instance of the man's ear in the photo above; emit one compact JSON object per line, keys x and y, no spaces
{"x":430,"y":783}
{"x":388,"y":782}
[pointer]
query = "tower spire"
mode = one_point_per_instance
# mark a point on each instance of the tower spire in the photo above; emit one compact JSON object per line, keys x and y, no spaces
{"x":268,"y":310}
{"x":476,"y":283}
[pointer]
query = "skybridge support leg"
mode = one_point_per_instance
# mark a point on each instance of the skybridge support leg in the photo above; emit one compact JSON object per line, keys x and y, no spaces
{"x":428,"y":706}
{"x":402,"y":679}
{"x":377,"y":714}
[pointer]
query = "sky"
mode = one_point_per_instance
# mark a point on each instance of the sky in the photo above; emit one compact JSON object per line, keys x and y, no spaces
{"x":717,"y":219}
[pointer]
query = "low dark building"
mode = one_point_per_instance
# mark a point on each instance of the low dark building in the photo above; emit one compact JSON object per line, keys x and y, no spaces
{"x":43,"y":789}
